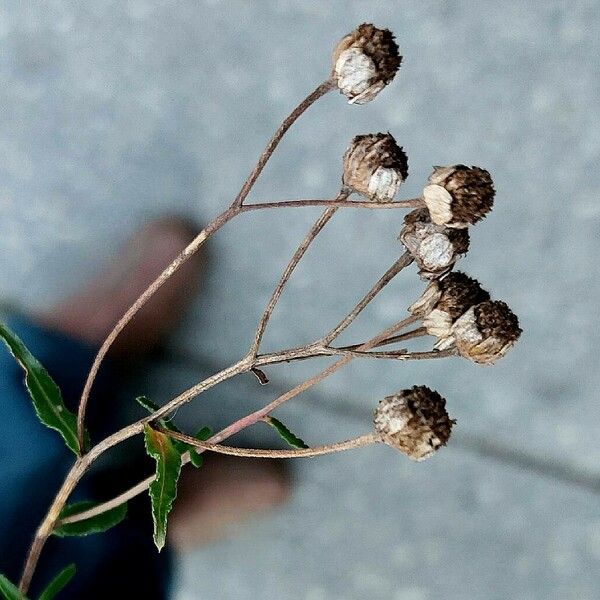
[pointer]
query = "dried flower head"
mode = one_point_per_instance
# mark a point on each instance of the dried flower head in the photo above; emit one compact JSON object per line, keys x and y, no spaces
{"x":444,"y":301}
{"x":375,"y":166}
{"x":459,"y":196}
{"x":435,"y":248}
{"x":364,"y":62}
{"x":413,"y":421}
{"x":486,"y":332}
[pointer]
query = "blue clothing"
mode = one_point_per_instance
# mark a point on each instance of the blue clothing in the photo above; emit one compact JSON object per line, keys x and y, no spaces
{"x":120,"y":563}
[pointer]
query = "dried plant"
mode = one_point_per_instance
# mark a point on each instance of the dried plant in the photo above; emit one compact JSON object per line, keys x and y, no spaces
{"x":453,"y":308}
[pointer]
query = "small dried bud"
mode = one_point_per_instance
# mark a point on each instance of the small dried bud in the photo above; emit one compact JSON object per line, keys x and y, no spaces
{"x":435,"y":248}
{"x":375,"y":166}
{"x":444,"y":301}
{"x":413,"y":421}
{"x":486,"y":332}
{"x":459,"y":196}
{"x":364,"y":62}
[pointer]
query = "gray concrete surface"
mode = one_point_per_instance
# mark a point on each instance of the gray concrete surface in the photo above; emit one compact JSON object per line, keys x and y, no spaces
{"x":114,"y":112}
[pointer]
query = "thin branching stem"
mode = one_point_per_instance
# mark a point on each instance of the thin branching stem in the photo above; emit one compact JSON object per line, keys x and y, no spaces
{"x":410,"y":203}
{"x":405,"y":260}
{"x":191,"y":249}
{"x":263,"y":412}
{"x":357,"y":442}
{"x":316,"y":228}
{"x":317,"y":93}
{"x":401,"y":337}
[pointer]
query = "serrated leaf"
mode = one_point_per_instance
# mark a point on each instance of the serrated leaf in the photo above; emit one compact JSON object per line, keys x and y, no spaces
{"x":204,"y":433}
{"x":293,"y":440}
{"x":163,"y":490}
{"x":9,"y":590}
{"x":45,"y":394}
{"x":96,"y":524}
{"x":58,"y":583}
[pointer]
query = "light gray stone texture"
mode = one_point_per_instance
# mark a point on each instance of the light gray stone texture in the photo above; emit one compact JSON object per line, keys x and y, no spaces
{"x":112,"y":113}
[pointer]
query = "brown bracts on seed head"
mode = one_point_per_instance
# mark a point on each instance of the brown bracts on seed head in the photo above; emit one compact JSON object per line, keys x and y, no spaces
{"x":486,"y":332}
{"x":459,"y":196}
{"x":375,"y":166}
{"x":413,"y":421}
{"x":444,"y":301}
{"x":435,"y":248}
{"x":364,"y":62}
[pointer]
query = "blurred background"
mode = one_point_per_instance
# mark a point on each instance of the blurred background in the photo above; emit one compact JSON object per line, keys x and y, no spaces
{"x":112,"y":113}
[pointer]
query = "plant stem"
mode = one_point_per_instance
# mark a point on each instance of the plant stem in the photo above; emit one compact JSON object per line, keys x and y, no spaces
{"x":411,"y":203}
{"x":358,"y":442}
{"x":263,"y":412}
{"x":189,"y":251}
{"x":258,"y":415}
{"x":47,"y":525}
{"x":318,"y":92}
{"x":405,"y":260}
{"x":83,"y":463}
{"x":300,"y":251}
{"x":408,"y":335}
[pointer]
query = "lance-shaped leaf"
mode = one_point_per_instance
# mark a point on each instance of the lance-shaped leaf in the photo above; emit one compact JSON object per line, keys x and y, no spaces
{"x":95,"y":524}
{"x":47,"y":400}
{"x":9,"y":590}
{"x":58,"y":583}
{"x":285,"y":434}
{"x":182,"y":447}
{"x":163,"y":490}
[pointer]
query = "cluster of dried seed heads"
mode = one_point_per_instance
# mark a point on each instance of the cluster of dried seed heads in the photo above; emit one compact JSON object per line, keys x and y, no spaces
{"x":454,"y":308}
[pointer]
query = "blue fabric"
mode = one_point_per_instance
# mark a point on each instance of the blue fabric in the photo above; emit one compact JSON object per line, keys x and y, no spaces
{"x":121,"y":563}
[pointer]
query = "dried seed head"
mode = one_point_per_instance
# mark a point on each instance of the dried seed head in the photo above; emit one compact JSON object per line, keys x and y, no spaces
{"x":364,"y":62}
{"x":435,"y":248}
{"x":459,"y":196}
{"x":444,"y":301}
{"x":486,"y":332}
{"x":413,"y":421}
{"x":375,"y":166}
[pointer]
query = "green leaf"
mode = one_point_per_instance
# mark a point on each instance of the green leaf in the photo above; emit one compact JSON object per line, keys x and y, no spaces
{"x":58,"y":583}
{"x":9,"y":590}
{"x":96,"y":524}
{"x":285,"y":433}
{"x":151,"y":407}
{"x":195,"y":458}
{"x":204,"y":433}
{"x":47,"y":400}
{"x":163,"y":490}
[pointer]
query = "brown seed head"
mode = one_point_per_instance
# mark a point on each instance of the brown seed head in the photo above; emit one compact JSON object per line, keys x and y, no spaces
{"x":413,"y":421}
{"x":459,"y":196}
{"x":435,"y":248}
{"x":486,"y":331}
{"x":375,"y":166}
{"x":364,"y":62}
{"x":444,"y":301}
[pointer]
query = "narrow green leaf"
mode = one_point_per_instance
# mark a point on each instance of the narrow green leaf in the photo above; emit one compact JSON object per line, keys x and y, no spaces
{"x":285,"y":433}
{"x":58,"y":583}
{"x":47,"y":400}
{"x":203,"y":434}
{"x":96,"y":524}
{"x":9,"y":590}
{"x":163,"y":490}
{"x":195,"y":458}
